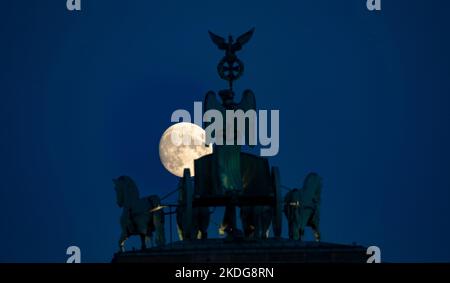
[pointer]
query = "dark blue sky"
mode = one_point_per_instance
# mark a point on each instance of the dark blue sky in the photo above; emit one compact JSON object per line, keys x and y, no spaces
{"x":363,"y":100}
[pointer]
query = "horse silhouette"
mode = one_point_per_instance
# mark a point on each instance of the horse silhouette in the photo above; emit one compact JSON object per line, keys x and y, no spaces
{"x":137,"y":217}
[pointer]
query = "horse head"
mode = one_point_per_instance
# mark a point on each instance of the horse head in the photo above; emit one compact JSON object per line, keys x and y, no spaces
{"x":126,"y":191}
{"x":312,"y":187}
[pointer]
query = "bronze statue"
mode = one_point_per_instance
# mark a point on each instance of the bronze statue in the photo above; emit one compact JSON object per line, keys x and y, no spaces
{"x":227,"y":156}
{"x":226,"y":167}
{"x":137,"y":217}
{"x":302,"y":207}
{"x":227,"y":177}
{"x":230,"y":68}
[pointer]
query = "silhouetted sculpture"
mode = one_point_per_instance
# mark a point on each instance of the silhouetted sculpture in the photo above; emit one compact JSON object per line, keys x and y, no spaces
{"x":137,"y":218}
{"x":302,"y":207}
{"x":229,"y":177}
{"x":227,"y":156}
{"x":226,"y":163}
{"x":230,"y":68}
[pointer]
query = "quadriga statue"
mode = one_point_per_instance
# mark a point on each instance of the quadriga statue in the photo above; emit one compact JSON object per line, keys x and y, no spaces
{"x":302,"y":207}
{"x":137,"y":217}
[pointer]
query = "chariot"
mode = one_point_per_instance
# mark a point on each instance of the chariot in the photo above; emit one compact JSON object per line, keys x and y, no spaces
{"x":261,"y":187}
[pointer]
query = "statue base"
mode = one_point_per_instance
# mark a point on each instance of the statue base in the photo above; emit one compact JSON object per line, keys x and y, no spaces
{"x":246,"y":251}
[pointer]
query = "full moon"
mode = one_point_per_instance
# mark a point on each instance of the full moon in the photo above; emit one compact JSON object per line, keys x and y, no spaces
{"x":180,"y":145}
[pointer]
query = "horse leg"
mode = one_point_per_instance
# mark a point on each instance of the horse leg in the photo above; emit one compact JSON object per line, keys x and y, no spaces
{"x":304,"y":216}
{"x":159,"y":231}
{"x":122,"y":239}
{"x":143,"y":240}
{"x":290,"y":230}
{"x":317,"y":235}
{"x":300,"y":229}
{"x":148,"y":239}
{"x":229,"y":220}
{"x":204,"y":223}
{"x":300,"y":232}
{"x":316,"y":232}
{"x":149,"y":236}
{"x":258,"y":217}
{"x":296,"y":230}
{"x":296,"y":233}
